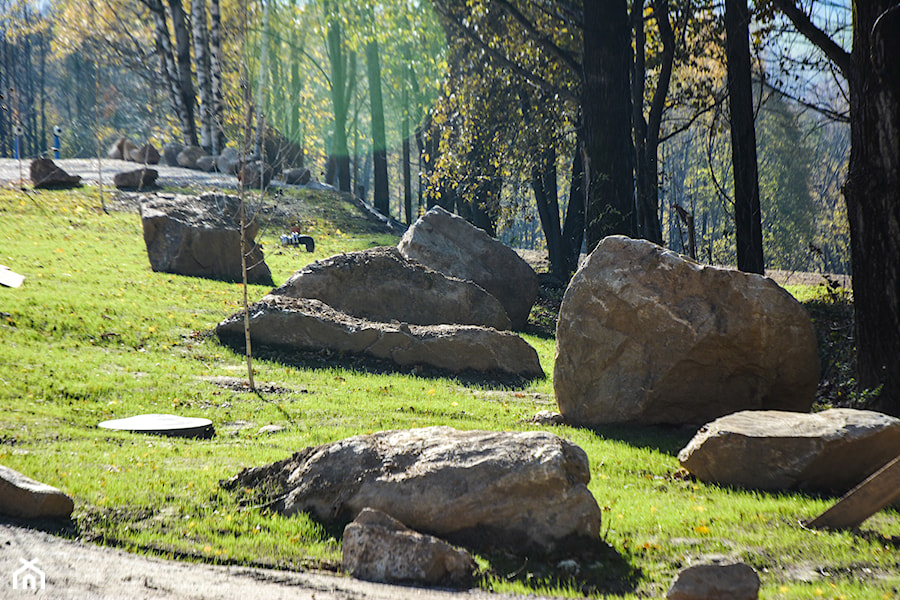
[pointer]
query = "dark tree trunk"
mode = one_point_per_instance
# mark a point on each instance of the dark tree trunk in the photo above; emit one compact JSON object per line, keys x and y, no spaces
{"x":380,"y":196}
{"x":606,"y":114}
{"x":573,"y":226}
{"x":872,"y":192}
{"x":183,"y":62}
{"x":544,"y":184}
{"x":748,"y":221}
{"x":215,"y":73}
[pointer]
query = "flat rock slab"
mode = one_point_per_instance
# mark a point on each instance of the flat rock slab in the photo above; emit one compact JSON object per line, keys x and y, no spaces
{"x":831,"y":451}
{"x":10,"y":278}
{"x":516,"y":490}
{"x":647,"y":336}
{"x":303,"y":324}
{"x":161,"y":424}
{"x":25,"y":498}
{"x":380,"y":284}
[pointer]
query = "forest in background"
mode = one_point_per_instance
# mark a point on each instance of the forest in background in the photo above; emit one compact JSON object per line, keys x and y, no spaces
{"x":462,"y":121}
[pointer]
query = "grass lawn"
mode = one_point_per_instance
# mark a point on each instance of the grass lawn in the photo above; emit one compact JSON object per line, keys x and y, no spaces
{"x":93,"y":334}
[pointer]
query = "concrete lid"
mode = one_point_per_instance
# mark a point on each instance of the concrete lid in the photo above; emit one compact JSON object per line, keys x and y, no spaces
{"x":161,"y":424}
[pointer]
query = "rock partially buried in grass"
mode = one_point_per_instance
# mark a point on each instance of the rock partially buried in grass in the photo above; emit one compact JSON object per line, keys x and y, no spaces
{"x":304,"y":324}
{"x":161,"y":424}
{"x":25,"y":498}
{"x":515,"y":490}
{"x":831,"y":451}
{"x":736,"y":581}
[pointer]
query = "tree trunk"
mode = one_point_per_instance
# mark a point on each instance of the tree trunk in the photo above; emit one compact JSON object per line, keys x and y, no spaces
{"x":544,"y":184}
{"x":204,"y":76}
{"x":183,"y":63}
{"x":573,"y":226}
{"x":215,"y":76}
{"x":381,"y":199}
{"x":168,"y":69}
{"x":871,"y":193}
{"x":343,"y":80}
{"x":606,"y":115}
{"x":748,"y":221}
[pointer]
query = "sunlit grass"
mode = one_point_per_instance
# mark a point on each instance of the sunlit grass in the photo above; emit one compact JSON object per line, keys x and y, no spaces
{"x":93,"y":334}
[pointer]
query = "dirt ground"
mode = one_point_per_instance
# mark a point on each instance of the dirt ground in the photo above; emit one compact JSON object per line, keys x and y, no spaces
{"x":77,"y":571}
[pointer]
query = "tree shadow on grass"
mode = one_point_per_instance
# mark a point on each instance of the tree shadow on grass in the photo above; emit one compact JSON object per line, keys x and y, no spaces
{"x":663,"y":439}
{"x":327,"y":360}
{"x":586,"y":567}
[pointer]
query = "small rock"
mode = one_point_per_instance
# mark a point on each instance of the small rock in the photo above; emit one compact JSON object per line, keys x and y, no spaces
{"x":297,"y":176}
{"x":269,"y":429}
{"x":146,"y":154}
{"x":170,"y":153}
{"x":24,"y":498}
{"x":377,"y":547}
{"x":206,"y":164}
{"x":121,"y":149}
{"x":736,"y":581}
{"x":228,"y":161}
{"x":188,"y":157}
{"x":547,"y":417}
{"x":135,"y":180}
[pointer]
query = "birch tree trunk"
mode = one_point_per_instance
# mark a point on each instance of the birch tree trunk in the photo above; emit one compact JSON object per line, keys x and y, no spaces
{"x":202,"y":67}
{"x":215,"y":76}
{"x":184,"y":66}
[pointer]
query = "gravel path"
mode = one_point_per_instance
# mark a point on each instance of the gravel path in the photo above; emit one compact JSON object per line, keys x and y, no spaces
{"x":77,"y":571}
{"x":16,"y":172}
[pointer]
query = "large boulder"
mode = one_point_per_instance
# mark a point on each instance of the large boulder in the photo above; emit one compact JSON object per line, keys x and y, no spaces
{"x":378,"y":547}
{"x":648,"y":336}
{"x":451,"y":245}
{"x":381,"y":285}
{"x":302,"y":324}
{"x":831,"y":451}
{"x":200,"y":236}
{"x":24,"y":498}
{"x":46,"y":174}
{"x":255,"y":174}
{"x":136,"y":180}
{"x":517,"y":490}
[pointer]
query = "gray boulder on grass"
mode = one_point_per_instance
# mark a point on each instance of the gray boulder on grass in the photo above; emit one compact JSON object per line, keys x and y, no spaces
{"x":200,"y":236}
{"x":451,"y":245}
{"x":377,"y":547}
{"x":648,"y":336}
{"x":25,"y":498}
{"x":516,"y":490}
{"x":301,"y":324}
{"x":379,"y":284}
{"x":831,"y":451}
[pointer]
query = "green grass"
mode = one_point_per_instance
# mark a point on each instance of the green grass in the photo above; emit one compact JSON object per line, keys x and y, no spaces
{"x":94,"y":334}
